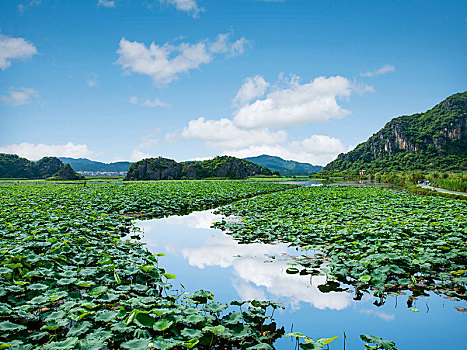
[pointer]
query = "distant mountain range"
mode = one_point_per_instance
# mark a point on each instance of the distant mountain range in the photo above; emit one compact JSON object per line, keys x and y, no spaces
{"x":83,"y":164}
{"x":435,"y":140}
{"x":285,"y":167}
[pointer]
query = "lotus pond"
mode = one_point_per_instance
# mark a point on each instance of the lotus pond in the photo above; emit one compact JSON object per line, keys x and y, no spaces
{"x":69,"y":280}
{"x":203,"y":257}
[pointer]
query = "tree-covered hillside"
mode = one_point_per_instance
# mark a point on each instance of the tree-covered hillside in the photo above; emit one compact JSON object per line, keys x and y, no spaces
{"x":13,"y":166}
{"x":164,"y":169}
{"x":429,"y":141}
{"x":285,"y":167}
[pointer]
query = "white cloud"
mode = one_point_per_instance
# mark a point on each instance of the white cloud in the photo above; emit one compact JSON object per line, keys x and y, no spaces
{"x":381,"y":314}
{"x":92,"y":81}
{"x":19,"y":96}
{"x":146,"y":142}
{"x":24,"y":6}
{"x":164,"y":63}
{"x":14,"y":48}
{"x":189,"y":6}
{"x":171,"y":137}
{"x":224,"y":134}
{"x":37,"y":151}
{"x":249,"y":133}
{"x":297,"y":105}
{"x":106,"y":3}
{"x":223,"y":45}
{"x":383,"y":70}
{"x":156,"y":102}
{"x":137,"y":155}
{"x":252,"y":87}
{"x":317,"y":150}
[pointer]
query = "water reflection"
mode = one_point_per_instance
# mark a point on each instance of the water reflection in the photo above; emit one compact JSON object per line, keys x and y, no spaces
{"x":257,"y":271}
{"x":204,"y":258}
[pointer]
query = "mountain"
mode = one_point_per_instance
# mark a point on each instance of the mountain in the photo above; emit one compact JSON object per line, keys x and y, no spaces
{"x":285,"y":167}
{"x":165,"y":169}
{"x":66,"y":172}
{"x":83,"y":164}
{"x":13,"y":166}
{"x":435,"y":140}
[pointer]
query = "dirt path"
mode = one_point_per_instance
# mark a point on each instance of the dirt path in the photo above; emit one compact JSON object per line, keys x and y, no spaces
{"x":442,"y":190}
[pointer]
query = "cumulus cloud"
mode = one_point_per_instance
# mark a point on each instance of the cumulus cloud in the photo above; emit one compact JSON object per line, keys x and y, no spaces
{"x":252,"y":87}
{"x":164,"y":63}
{"x":14,"y":48}
{"x":156,"y":102}
{"x":251,"y":131}
{"x":383,"y":70}
{"x":106,"y":3}
{"x":189,"y":6}
{"x":19,"y":96}
{"x":37,"y":151}
{"x":317,"y":150}
{"x":297,"y":105}
{"x":224,"y":134}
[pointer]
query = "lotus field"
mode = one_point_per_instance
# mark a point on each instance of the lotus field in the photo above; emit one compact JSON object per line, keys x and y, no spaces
{"x":374,"y":239}
{"x":69,"y":278}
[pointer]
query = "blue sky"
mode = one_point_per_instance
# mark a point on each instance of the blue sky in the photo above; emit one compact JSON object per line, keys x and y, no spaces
{"x":191,"y":79}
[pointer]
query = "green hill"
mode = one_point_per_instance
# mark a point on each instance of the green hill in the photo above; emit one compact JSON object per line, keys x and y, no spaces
{"x":83,"y":164}
{"x":435,"y":140}
{"x":13,"y":166}
{"x":164,"y":169}
{"x":66,"y":172}
{"x":285,"y":167}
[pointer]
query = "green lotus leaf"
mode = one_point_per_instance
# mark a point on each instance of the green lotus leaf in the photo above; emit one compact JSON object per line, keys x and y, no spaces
{"x":216,"y":307}
{"x":162,"y":324}
{"x":79,"y":328}
{"x":137,"y":344}
{"x":7,"y":326}
{"x":232,"y":318}
{"x":68,"y":343}
{"x":191,"y":333}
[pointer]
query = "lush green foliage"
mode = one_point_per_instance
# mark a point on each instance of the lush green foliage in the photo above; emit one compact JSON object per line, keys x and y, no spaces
{"x":285,"y":167}
{"x":434,"y":140}
{"x":12,"y":166}
{"x":66,"y":172}
{"x":68,"y":281}
{"x":453,"y":182}
{"x":386,"y":240}
{"x":218,"y":167}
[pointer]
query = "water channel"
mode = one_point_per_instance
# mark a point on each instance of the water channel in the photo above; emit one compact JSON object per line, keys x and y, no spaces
{"x":205,"y":258}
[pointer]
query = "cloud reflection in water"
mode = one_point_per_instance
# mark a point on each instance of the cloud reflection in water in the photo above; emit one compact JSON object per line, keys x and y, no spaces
{"x":257,"y":270}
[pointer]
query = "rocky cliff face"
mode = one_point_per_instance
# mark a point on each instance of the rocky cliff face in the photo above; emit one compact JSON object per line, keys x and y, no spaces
{"x":48,"y":166}
{"x":154,"y":169}
{"x":66,"y":172}
{"x":439,"y":133}
{"x":165,"y":169}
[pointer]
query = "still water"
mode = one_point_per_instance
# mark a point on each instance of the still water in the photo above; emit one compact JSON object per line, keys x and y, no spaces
{"x":206,"y":258}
